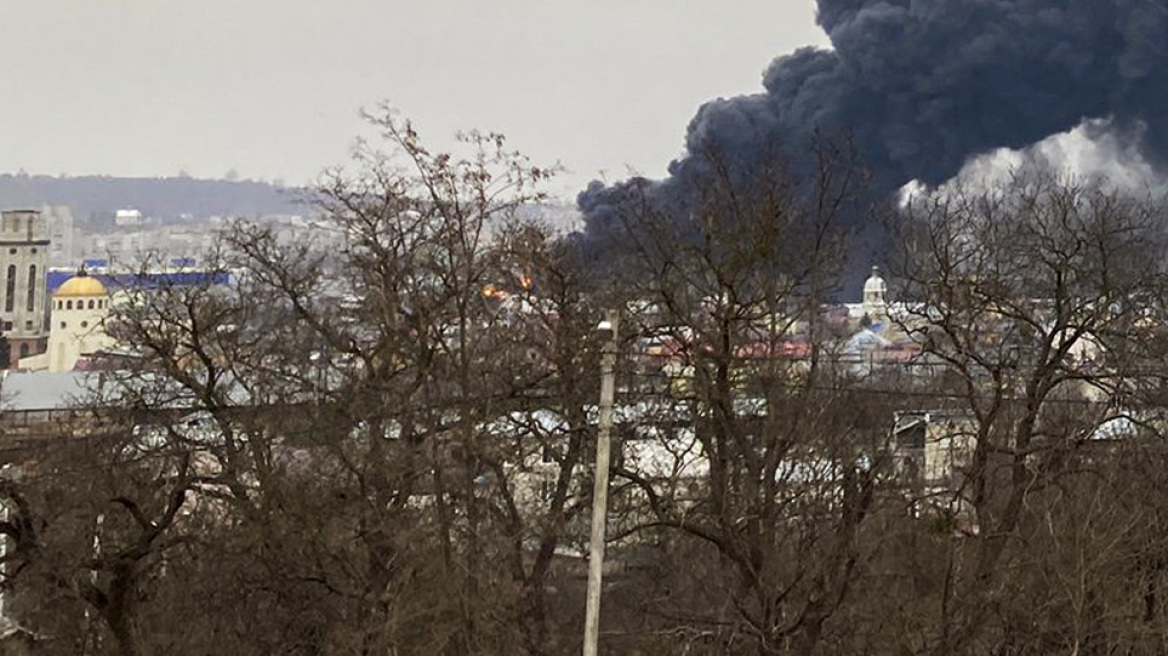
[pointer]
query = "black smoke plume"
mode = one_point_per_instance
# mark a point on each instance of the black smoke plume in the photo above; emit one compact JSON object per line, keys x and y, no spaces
{"x":921,"y":86}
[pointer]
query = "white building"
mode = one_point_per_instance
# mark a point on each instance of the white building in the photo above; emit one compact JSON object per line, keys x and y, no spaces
{"x":131,"y":245}
{"x":79,"y":310}
{"x":127,"y":218}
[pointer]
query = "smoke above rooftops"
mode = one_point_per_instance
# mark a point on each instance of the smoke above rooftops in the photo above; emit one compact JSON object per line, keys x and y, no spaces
{"x":926,"y":88}
{"x":1093,"y":151}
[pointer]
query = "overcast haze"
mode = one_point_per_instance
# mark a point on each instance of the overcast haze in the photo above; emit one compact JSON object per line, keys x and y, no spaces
{"x":272,"y":89}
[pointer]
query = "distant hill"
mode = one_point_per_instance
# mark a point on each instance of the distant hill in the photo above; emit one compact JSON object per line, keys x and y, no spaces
{"x":94,"y":199}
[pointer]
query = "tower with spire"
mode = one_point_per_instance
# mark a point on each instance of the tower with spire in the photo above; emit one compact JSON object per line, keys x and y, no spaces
{"x":875,"y":300}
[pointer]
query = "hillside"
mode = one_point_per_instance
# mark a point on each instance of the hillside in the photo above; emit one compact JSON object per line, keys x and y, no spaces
{"x":94,"y":199}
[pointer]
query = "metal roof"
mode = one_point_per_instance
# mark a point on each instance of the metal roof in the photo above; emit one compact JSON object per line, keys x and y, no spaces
{"x":41,"y":390}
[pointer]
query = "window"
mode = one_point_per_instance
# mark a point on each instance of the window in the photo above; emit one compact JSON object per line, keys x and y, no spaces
{"x":91,"y":304}
{"x":912,"y":436}
{"x":84,"y":324}
{"x":34,"y":251}
{"x":28,"y":325}
{"x":64,"y":325}
{"x":10,"y":289}
{"x":32,"y":285}
{"x":68,"y":305}
{"x":7,"y":326}
{"x":24,"y":350}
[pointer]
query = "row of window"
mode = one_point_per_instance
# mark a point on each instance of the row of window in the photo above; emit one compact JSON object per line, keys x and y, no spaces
{"x":29,"y":326}
{"x":68,"y":305}
{"x":10,"y":288}
{"x":65,"y":324}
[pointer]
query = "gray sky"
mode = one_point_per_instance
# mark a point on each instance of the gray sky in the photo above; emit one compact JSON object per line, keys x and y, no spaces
{"x":272,"y":87}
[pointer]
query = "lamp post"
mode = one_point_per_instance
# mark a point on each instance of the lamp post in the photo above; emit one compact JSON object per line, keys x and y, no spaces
{"x":6,"y":516}
{"x":600,"y":483}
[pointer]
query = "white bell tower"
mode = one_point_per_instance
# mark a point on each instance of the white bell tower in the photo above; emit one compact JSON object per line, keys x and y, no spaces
{"x":875,"y":301}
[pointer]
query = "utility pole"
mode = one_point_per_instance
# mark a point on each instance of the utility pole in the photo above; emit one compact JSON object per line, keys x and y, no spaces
{"x":600,"y":486}
{"x":90,"y":632}
{"x":7,"y":473}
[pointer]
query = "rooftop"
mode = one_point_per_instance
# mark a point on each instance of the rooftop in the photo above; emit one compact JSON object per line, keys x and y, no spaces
{"x":27,"y":391}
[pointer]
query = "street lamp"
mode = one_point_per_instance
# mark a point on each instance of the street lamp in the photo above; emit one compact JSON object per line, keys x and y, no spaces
{"x":600,"y":483}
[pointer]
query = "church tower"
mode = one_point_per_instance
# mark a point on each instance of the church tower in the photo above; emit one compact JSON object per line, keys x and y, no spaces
{"x":875,"y":302}
{"x":24,"y":258}
{"x":80,"y":307}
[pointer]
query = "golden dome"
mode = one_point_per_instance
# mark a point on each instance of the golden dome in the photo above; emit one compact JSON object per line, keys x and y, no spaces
{"x":81,"y":284}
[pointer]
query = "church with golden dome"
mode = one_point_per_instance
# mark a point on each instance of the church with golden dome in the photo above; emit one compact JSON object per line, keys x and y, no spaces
{"x":77,"y":315}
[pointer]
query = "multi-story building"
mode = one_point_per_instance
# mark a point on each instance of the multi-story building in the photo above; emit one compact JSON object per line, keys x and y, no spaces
{"x":59,"y":219}
{"x":24,"y":258}
{"x":125,"y":218}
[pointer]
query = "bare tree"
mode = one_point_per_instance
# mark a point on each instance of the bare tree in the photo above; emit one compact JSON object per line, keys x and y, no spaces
{"x":1036,"y":296}
{"x":770,"y":458}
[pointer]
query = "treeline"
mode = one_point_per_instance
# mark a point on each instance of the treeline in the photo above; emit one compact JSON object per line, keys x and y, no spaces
{"x":95,"y":199}
{"x":387,"y":449}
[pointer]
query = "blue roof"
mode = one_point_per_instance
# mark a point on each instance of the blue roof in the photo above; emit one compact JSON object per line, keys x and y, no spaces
{"x":145,"y":281}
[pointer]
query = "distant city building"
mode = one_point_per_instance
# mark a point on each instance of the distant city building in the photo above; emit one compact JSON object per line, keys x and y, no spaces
{"x":24,"y":257}
{"x":62,"y":234}
{"x":127,"y":218}
{"x":130,"y":245}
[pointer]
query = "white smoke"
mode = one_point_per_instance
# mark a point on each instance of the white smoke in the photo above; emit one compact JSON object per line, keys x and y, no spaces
{"x":1093,"y":151}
